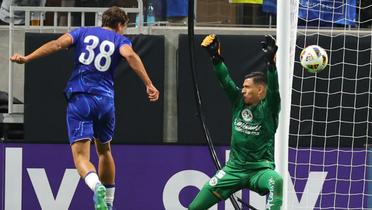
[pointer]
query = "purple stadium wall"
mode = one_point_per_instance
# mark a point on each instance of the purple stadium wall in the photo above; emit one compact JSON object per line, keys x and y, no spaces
{"x":161,"y":177}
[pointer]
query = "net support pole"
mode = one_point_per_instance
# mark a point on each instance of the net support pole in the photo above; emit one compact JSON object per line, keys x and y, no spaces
{"x":10,"y":67}
{"x":285,"y":88}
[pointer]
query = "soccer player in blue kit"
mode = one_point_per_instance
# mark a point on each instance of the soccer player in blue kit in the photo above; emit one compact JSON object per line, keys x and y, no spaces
{"x":90,"y":95}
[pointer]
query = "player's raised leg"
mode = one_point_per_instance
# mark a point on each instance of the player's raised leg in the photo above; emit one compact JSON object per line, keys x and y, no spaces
{"x":81,"y":155}
{"x":106,"y":170}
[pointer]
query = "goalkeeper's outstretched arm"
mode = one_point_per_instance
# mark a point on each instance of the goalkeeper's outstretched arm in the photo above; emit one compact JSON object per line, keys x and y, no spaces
{"x":273,"y":97}
{"x":212,"y":45}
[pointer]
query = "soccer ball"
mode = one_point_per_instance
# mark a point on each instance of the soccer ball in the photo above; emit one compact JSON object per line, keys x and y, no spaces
{"x":314,"y":58}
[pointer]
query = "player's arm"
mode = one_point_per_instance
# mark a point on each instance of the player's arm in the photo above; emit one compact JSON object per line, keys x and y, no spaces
{"x":273,"y":97}
{"x":136,"y":64}
{"x":50,"y":47}
{"x":212,"y":45}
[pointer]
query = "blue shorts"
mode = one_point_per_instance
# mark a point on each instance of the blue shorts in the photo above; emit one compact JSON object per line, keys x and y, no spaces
{"x":90,"y":116}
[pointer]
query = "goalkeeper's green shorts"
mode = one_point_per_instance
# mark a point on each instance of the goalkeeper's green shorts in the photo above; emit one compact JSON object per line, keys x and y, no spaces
{"x":230,"y":179}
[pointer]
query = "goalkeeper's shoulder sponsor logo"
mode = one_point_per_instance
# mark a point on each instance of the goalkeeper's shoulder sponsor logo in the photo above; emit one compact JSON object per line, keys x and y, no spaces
{"x":247,"y":115}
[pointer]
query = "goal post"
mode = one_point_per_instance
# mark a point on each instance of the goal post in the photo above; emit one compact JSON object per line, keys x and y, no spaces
{"x":286,"y":40}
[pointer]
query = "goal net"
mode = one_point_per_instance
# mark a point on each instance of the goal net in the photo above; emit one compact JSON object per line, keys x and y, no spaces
{"x":330,"y":135}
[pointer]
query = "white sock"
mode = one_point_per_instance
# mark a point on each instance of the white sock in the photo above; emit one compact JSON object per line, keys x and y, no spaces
{"x":91,"y":179}
{"x":110,"y":194}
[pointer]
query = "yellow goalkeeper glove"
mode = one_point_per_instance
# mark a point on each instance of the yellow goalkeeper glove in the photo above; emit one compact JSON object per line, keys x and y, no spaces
{"x":212,"y":45}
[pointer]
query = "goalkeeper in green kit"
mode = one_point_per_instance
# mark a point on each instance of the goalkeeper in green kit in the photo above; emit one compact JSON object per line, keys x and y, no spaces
{"x":255,"y":112}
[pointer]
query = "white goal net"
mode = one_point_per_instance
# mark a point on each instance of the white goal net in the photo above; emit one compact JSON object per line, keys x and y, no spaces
{"x":330,"y":134}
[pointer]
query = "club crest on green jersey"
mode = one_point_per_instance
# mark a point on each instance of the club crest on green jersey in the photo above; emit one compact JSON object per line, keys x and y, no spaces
{"x":247,"y":115}
{"x":213,"y":181}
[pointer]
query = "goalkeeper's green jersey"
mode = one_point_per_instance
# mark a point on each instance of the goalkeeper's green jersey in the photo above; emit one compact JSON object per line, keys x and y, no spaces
{"x":253,"y":127}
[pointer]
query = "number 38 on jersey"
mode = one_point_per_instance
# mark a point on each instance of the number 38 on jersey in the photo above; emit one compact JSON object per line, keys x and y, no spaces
{"x":102,"y":60}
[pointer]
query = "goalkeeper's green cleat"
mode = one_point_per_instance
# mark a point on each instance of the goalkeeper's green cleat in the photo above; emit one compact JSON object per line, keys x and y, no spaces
{"x":99,"y":197}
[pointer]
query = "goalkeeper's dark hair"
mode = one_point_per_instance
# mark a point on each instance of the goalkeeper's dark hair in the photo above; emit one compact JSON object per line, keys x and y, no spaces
{"x":114,"y":16}
{"x":258,"y":77}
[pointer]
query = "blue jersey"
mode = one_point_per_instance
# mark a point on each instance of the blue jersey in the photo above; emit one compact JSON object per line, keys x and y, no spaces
{"x":96,"y":56}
